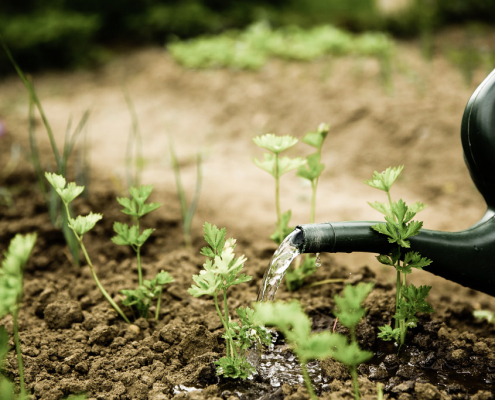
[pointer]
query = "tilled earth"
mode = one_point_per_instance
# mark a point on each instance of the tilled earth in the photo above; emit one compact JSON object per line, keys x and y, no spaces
{"x":73,"y":342}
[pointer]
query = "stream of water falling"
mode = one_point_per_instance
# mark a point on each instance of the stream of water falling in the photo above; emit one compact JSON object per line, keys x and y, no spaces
{"x":279,"y":264}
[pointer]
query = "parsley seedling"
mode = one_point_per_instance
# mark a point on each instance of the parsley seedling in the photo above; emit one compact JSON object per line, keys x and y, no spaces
{"x":311,"y":171}
{"x":398,"y":228}
{"x":80,"y":226}
{"x":277,"y":166}
{"x":11,"y":283}
{"x":295,"y":325}
{"x":221,"y":271}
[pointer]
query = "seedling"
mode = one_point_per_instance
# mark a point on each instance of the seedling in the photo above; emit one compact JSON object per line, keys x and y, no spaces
{"x":187,"y":213}
{"x":398,"y":228}
{"x":11,"y":283}
{"x":311,"y":171}
{"x":221,"y":271}
{"x":295,"y":325}
{"x":80,"y":226}
{"x":278,"y":166}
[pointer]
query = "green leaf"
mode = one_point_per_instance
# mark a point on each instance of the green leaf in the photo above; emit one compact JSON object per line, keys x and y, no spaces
{"x":387,"y":333}
{"x":162,"y":278}
{"x":286,"y":164}
{"x":141,"y":194}
{"x":235,"y":368}
{"x":417,"y":207}
{"x":207,"y":283}
{"x":147,"y":208}
{"x":413,"y":228}
{"x":70,"y":192}
{"x":349,"y":310}
{"x":83,"y":224}
{"x":214,"y":237}
{"x":383,"y":208}
{"x":414,"y":260}
{"x":268,"y":163}
{"x":275,"y":144}
{"x":349,"y":353}
{"x":312,"y":169}
{"x":384,"y":180}
{"x":316,"y":139}
{"x":57,"y":181}
{"x":141,"y":239}
{"x":383,"y":259}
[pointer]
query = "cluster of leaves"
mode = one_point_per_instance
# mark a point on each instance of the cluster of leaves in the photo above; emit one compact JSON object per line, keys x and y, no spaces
{"x":295,"y":325}
{"x":398,"y":228}
{"x":251,"y":48}
{"x":221,"y":271}
{"x":11,"y":282}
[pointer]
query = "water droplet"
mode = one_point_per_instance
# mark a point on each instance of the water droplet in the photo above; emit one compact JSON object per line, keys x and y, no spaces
{"x":318,"y":260}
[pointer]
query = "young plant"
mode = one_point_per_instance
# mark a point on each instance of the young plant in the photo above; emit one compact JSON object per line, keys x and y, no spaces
{"x":277,"y":166}
{"x":311,"y":171}
{"x":80,"y":226}
{"x":11,"y":284}
{"x":187,"y":213}
{"x":398,"y":228}
{"x":221,"y":271}
{"x":295,"y":325}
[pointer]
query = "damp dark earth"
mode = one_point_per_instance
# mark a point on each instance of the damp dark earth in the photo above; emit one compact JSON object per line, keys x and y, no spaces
{"x":73,"y":342}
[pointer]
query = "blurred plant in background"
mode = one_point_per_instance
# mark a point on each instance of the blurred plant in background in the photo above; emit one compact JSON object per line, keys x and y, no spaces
{"x":64,"y":34}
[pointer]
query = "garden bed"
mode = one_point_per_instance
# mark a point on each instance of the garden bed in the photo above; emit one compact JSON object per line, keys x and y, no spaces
{"x":73,"y":342}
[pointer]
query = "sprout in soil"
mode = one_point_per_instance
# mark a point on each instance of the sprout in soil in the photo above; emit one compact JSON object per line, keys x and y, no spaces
{"x":398,"y":228}
{"x":136,"y":207}
{"x":311,"y":171}
{"x":221,"y":271}
{"x":11,"y":283}
{"x":295,"y":325}
{"x":80,"y":226}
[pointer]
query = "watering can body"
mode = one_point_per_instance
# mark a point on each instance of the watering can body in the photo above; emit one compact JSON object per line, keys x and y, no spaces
{"x":466,"y":257}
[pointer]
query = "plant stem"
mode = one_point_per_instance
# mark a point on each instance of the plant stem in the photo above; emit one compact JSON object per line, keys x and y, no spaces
{"x":397,"y":296}
{"x":97,"y":281}
{"x":307,"y":381}
{"x":227,"y":319}
{"x":355,"y":383}
{"x":277,"y":188}
{"x":215,"y":297}
{"x":314,"y":184}
{"x":158,"y":304}
{"x":140,"y":273}
{"x":20,"y":365}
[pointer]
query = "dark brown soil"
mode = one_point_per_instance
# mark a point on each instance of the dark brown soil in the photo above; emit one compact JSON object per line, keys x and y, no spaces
{"x":73,"y":342}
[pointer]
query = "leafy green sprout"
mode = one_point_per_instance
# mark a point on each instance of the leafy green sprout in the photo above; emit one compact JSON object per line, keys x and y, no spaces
{"x":222,"y":270}
{"x":295,"y":325}
{"x":277,"y":166}
{"x":11,"y":284}
{"x":400,"y":226}
{"x":310,"y":171}
{"x":136,"y":207}
{"x":80,"y":226}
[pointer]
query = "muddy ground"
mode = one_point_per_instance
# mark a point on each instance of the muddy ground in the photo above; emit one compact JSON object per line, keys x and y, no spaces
{"x":73,"y":342}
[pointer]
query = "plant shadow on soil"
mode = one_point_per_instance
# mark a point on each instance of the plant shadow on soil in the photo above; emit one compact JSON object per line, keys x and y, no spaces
{"x":73,"y":342}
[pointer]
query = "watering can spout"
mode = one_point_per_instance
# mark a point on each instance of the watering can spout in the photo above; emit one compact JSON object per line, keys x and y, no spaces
{"x":466,"y":257}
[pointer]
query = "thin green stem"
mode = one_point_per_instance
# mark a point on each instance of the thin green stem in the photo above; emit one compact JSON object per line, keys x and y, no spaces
{"x":215,"y":297}
{"x":18,"y":351}
{"x":277,"y":190}
{"x":97,"y":281}
{"x":227,"y":319}
{"x":140,"y":273}
{"x":397,"y":296}
{"x":93,"y":273}
{"x":158,"y":304}
{"x":314,"y":184}
{"x":307,"y":381}
{"x":355,"y":382}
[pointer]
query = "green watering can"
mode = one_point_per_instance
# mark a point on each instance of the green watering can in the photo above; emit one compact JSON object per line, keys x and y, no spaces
{"x":466,"y":257}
